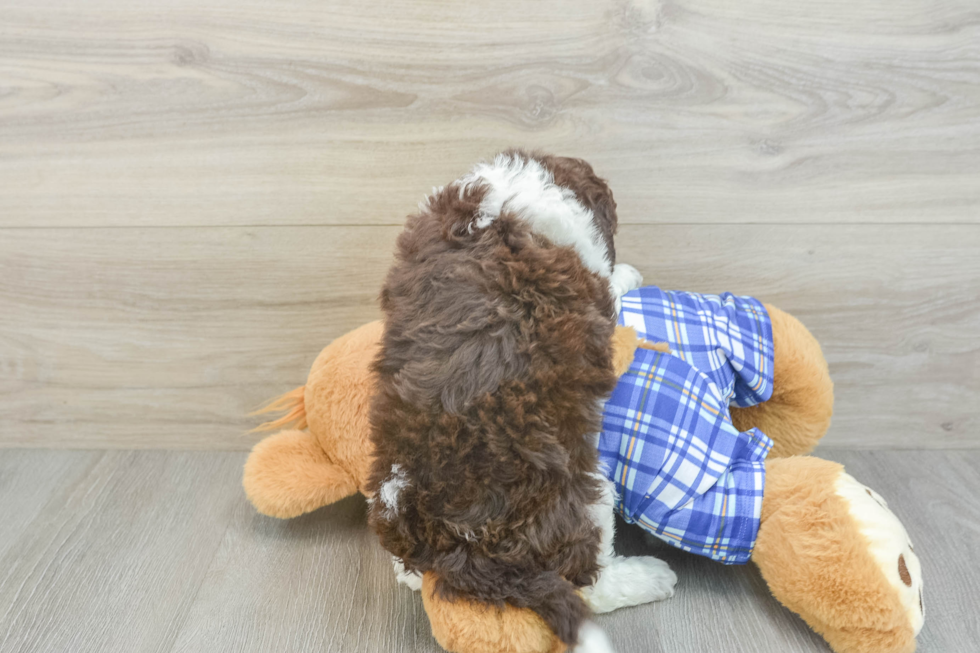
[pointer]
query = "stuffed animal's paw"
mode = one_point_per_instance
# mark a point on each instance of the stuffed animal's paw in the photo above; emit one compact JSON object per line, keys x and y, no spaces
{"x":832,"y":552}
{"x":288,"y":474}
{"x":888,"y":543}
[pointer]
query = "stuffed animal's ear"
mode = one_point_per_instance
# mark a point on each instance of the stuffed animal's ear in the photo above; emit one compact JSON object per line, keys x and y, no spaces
{"x":624,"y":344}
{"x":288,"y":474}
{"x":463,"y":626}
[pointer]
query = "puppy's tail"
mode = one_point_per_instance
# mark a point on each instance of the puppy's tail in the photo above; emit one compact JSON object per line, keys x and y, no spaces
{"x":552,"y":597}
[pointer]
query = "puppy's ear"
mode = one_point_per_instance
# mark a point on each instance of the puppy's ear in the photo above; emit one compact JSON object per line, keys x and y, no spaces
{"x":592,"y":191}
{"x":607,"y":223}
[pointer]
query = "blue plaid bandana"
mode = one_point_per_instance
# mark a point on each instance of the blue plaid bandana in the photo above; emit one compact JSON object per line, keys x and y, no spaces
{"x":682,"y":470}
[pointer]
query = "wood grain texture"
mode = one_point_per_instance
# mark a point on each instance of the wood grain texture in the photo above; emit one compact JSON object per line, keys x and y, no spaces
{"x":160,"y":551}
{"x":155,"y":338}
{"x":331,"y":588}
{"x":116,"y":555}
{"x":196,"y":198}
{"x":27,"y":481}
{"x":306,"y":112}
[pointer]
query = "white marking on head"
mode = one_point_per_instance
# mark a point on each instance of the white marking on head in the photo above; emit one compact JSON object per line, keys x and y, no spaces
{"x":391,"y":489}
{"x":528,"y":189}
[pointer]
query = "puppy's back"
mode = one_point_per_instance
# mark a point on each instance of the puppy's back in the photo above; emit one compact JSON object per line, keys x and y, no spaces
{"x":495,"y":355}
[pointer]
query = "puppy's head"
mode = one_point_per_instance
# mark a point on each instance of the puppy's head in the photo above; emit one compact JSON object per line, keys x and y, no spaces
{"x":560,"y":198}
{"x":514,"y":254}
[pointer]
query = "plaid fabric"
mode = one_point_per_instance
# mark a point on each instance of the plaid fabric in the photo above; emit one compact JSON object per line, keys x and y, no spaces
{"x":728,"y":338}
{"x":681,"y":469}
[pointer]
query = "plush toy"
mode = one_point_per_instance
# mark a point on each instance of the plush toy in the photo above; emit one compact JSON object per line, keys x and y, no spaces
{"x":827,"y":546}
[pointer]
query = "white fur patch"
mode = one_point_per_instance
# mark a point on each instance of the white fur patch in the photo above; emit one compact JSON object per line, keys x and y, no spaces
{"x":624,"y":279}
{"x":410,"y":579}
{"x":528,"y":189}
{"x":391,"y":489}
{"x":623,"y":582}
{"x":626,"y":582}
{"x":887,"y":541}
{"x":603,"y":517}
{"x":592,"y":639}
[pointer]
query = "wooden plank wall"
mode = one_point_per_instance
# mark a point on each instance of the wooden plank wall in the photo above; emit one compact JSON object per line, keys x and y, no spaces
{"x":196,"y":196}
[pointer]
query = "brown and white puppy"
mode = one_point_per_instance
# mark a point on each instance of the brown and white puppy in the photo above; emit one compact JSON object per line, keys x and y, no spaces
{"x":495,"y":360}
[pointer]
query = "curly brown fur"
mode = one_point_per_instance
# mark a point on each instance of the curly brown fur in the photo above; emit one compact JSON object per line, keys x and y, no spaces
{"x":495,"y":358}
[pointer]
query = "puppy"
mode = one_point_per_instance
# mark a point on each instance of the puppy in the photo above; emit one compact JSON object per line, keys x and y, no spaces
{"x":496,"y":357}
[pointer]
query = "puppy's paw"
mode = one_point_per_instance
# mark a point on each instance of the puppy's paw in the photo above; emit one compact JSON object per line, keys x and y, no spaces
{"x":626,"y":582}
{"x":625,"y":278}
{"x":646,"y":579}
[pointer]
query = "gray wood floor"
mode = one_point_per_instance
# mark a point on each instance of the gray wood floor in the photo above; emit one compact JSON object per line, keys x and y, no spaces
{"x":159,"y":551}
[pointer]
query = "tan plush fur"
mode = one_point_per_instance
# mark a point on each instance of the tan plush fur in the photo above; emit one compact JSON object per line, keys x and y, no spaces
{"x":465,"y":626}
{"x":817,"y":563}
{"x":289,"y":474}
{"x":292,"y":403}
{"x":798,"y":414}
{"x":338,"y":393}
{"x":809,"y":549}
{"x":625,"y":344}
{"x":295,"y":472}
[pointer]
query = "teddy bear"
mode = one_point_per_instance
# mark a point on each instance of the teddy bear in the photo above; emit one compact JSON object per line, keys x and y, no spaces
{"x":827,"y":546}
